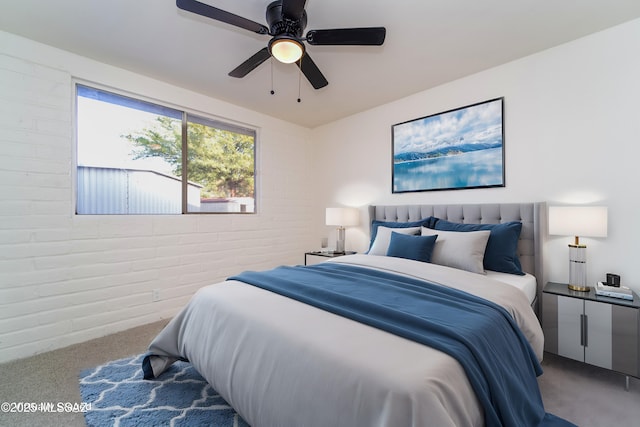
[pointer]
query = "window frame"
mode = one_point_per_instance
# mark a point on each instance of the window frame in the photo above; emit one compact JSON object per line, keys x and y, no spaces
{"x":186,"y":114}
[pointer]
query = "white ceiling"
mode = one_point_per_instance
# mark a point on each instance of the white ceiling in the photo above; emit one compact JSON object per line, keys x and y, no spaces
{"x":429,"y":42}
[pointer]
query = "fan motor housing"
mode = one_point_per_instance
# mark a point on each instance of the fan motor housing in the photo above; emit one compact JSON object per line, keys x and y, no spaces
{"x":279,"y":24}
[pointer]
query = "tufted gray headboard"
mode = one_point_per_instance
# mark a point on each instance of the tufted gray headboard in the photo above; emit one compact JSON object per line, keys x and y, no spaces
{"x":532,"y":216}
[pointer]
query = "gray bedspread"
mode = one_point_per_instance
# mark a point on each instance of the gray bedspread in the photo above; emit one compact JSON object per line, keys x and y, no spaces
{"x":279,"y":362}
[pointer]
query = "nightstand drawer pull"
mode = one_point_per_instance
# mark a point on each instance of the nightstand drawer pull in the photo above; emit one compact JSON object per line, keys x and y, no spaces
{"x":584,"y":333}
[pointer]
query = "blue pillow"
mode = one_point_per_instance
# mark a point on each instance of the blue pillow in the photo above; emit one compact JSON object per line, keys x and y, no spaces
{"x":419,"y":248}
{"x":424,"y":222}
{"x":501,"y":253}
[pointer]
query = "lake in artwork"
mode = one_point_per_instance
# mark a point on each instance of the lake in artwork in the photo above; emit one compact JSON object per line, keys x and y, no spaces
{"x":481,"y":168}
{"x":462,"y":148}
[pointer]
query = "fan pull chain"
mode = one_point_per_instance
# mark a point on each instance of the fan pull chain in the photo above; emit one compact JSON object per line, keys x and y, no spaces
{"x":299,"y":79}
{"x":272,"y":91}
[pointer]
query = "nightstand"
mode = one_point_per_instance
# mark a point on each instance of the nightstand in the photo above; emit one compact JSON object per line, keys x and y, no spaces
{"x":316,"y":257}
{"x":597,"y":330}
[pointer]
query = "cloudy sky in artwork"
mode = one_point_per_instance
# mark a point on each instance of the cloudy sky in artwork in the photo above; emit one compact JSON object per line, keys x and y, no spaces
{"x":480,"y":123}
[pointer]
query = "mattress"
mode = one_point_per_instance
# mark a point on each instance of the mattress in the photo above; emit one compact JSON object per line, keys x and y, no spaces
{"x":527,"y":283}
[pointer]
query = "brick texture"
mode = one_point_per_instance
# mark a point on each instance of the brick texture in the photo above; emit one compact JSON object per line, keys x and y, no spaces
{"x":66,"y":278}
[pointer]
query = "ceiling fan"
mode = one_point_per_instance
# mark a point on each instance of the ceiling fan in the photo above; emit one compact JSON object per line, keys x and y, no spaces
{"x":287,"y":20}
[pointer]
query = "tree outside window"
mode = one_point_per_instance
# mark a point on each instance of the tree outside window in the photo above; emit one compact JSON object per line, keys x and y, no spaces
{"x":131,"y":157}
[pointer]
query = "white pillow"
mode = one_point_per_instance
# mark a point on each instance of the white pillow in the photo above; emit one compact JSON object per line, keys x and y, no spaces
{"x":459,"y":249}
{"x":383,"y":237}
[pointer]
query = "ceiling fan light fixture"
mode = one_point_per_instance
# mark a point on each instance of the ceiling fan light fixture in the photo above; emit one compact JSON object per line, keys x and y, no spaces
{"x":287,"y":20}
{"x":286,"y":50}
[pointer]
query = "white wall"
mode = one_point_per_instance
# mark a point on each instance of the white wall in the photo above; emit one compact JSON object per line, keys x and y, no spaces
{"x":66,"y":278}
{"x":572,"y":130}
{"x":571,"y":124}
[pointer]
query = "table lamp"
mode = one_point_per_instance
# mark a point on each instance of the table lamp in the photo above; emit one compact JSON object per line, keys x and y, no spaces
{"x":342,"y":217}
{"x":585,"y":221}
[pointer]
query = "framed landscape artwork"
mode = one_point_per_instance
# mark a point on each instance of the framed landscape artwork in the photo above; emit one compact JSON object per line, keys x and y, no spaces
{"x":456,"y":149}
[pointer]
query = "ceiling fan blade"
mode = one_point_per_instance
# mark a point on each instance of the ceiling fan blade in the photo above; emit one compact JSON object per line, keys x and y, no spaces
{"x":221,"y":15}
{"x":293,"y":9}
{"x":312,"y":72}
{"x":250,"y":64}
{"x":371,"y":36}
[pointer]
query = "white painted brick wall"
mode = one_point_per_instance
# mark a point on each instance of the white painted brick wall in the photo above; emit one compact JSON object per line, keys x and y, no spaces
{"x":66,"y":279}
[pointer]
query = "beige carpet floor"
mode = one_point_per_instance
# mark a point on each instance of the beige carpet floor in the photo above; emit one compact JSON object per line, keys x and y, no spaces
{"x":585,"y":395}
{"x":53,"y":376}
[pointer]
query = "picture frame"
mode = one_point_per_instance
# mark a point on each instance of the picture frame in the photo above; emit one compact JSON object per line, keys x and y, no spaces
{"x":456,"y":149}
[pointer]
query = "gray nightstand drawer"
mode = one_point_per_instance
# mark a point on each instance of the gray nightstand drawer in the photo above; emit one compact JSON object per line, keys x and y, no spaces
{"x":597,"y":330}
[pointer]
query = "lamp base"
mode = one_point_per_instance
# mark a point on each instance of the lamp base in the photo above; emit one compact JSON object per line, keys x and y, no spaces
{"x":578,"y":268}
{"x":340,"y":241}
{"x":579,"y":288}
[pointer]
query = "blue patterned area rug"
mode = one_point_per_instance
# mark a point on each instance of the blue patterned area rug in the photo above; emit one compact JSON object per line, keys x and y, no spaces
{"x":119,"y":396}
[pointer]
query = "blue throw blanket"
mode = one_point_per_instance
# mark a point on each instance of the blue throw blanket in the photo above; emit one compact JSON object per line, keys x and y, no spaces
{"x":499,"y":362}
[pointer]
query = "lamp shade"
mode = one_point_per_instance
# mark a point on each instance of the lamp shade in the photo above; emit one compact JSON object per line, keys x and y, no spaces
{"x":342,"y":217}
{"x":584,"y":221}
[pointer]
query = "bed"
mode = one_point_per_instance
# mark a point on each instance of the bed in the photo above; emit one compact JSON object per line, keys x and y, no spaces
{"x":282,"y":362}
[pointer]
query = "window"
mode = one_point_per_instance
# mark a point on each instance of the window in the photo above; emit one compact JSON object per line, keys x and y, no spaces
{"x":137,"y":157}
